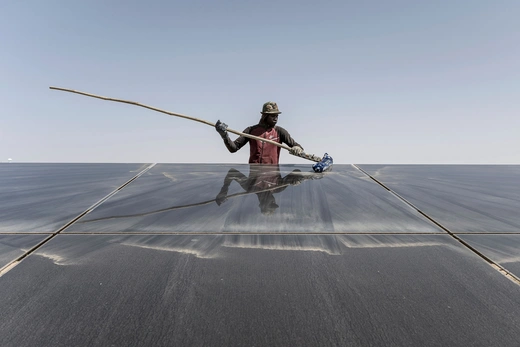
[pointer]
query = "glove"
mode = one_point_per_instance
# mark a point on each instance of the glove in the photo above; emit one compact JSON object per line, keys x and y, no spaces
{"x":296,"y":150}
{"x":221,"y":129}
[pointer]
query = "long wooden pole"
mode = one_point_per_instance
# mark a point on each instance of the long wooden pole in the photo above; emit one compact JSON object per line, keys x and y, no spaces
{"x":303,"y":155}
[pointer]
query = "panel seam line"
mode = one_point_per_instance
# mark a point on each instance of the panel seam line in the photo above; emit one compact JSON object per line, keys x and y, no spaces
{"x":509,"y":275}
{"x":15,"y":262}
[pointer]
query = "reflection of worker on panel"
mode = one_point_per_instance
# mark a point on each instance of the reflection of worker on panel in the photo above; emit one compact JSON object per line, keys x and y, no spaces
{"x":264,"y":181}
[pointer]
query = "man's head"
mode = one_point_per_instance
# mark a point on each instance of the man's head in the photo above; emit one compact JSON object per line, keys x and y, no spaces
{"x":270,"y":113}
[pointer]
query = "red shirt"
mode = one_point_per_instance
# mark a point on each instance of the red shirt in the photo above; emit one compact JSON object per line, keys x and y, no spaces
{"x":262,"y":152}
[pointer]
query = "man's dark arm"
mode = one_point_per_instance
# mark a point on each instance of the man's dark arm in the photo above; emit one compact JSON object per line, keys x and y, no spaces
{"x":286,"y":138}
{"x":234,"y":146}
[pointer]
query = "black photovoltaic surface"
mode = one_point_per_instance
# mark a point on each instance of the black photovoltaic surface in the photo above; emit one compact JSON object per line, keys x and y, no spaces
{"x":185,"y":198}
{"x":502,"y":249}
{"x":43,"y":197}
{"x":463,"y":198}
{"x":14,"y":246}
{"x":236,"y":255}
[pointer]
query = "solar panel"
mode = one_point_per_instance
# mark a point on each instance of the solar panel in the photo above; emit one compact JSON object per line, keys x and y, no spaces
{"x":502,"y":249}
{"x":43,"y":197}
{"x":14,"y":246}
{"x":196,"y":254}
{"x":185,"y":198}
{"x":463,"y":198}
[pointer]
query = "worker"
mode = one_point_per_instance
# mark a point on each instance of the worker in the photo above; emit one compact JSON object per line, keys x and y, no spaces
{"x":262,"y":152}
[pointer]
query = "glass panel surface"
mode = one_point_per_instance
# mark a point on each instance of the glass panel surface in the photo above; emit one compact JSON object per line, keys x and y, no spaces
{"x":257,"y":198}
{"x":44,"y":197}
{"x":463,"y":198}
{"x":14,"y":246}
{"x":185,"y":290}
{"x":502,"y":249}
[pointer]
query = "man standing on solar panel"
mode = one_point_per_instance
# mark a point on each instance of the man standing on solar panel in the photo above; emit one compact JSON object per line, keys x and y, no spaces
{"x":262,"y":152}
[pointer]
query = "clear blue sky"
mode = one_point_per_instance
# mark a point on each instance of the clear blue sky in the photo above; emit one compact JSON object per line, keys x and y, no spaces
{"x":377,"y":81}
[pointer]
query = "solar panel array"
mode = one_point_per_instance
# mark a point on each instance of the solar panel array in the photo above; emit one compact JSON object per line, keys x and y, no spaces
{"x":209,"y":254}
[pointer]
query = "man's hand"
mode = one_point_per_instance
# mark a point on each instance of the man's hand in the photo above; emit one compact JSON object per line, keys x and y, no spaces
{"x":296,"y":150}
{"x":221,"y":129}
